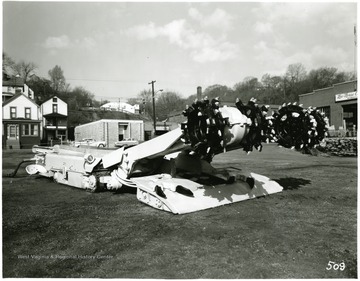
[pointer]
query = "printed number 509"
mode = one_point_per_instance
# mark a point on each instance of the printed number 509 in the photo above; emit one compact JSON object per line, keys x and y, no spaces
{"x":335,"y":266}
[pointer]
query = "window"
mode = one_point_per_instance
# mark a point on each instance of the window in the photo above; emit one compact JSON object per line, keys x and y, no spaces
{"x":27,"y":113}
{"x":30,"y":130}
{"x":122,"y":129}
{"x":55,"y":108}
{"x":12,"y":112}
{"x":54,"y":99}
{"x":348,"y":114}
{"x":326,"y":110}
{"x":61,"y":134}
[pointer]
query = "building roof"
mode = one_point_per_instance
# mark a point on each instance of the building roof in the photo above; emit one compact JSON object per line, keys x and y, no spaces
{"x":111,"y":121}
{"x":14,"y":82}
{"x":346,"y":82}
{"x":7,"y":94}
{"x":15,"y":97}
{"x":331,"y":87}
{"x":53,"y":96}
{"x":53,"y":114}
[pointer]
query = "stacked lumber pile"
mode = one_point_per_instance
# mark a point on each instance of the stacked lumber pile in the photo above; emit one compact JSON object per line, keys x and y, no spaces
{"x":339,"y":146}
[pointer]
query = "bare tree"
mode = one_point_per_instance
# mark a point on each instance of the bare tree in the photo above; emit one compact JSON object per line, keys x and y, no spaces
{"x":293,"y":81}
{"x":295,"y":73}
{"x":25,"y":69}
{"x":145,"y":97}
{"x":78,"y":98}
{"x":250,"y":87}
{"x":8,"y":64}
{"x":222,"y":91}
{"x":272,"y":89}
{"x":327,"y":76}
{"x":167,"y":103}
{"x":57,"y":79}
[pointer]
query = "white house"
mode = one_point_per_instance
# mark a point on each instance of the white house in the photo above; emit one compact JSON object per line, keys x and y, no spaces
{"x":15,"y":85}
{"x":21,"y":118}
{"x":121,"y":106}
{"x":55,"y":115}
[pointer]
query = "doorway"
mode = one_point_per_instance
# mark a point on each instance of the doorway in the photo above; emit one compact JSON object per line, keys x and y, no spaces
{"x":350,"y":118}
{"x":13,"y":140}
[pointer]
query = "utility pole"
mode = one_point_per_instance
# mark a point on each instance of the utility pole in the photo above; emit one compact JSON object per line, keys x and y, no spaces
{"x":153,"y":101}
{"x":355,"y":51}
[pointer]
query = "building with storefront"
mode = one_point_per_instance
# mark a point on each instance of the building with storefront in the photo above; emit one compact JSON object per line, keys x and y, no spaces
{"x":339,"y":103}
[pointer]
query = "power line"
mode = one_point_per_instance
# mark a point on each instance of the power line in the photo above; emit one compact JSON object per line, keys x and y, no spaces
{"x":119,"y":81}
{"x":101,"y":80}
{"x":113,"y":97}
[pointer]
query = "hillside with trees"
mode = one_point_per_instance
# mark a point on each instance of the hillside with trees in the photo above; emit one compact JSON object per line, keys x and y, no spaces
{"x":270,"y":89}
{"x":275,"y":89}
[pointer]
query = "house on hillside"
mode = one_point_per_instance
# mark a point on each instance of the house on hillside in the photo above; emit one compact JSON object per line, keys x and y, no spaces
{"x":21,"y":118}
{"x":14,"y":85}
{"x":121,"y":106}
{"x":54,"y":119}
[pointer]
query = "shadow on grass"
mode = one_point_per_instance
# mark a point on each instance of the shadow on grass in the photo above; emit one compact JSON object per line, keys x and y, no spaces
{"x":292,"y":183}
{"x":124,"y":189}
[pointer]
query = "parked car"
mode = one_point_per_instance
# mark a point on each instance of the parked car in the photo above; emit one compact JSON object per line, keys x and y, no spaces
{"x":89,"y":142}
{"x":126,"y":143}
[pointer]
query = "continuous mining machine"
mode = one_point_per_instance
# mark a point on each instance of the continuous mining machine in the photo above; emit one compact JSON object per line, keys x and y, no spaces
{"x":173,"y":172}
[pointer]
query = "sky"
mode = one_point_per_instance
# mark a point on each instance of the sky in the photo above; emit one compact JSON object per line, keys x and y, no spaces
{"x":115,"y":49}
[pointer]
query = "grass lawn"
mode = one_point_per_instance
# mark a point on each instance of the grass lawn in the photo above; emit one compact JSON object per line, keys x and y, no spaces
{"x":52,"y":230}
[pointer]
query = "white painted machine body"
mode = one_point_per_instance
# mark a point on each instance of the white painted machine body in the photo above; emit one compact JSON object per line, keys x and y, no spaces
{"x":162,"y":170}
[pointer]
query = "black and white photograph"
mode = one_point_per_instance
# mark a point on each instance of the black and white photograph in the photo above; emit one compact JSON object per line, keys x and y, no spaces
{"x":179,"y":140}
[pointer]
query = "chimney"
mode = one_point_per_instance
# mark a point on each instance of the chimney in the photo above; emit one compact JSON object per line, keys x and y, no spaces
{"x":198,"y":94}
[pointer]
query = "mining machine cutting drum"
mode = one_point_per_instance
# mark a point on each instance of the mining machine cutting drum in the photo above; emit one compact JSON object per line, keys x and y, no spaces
{"x":172,"y":172}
